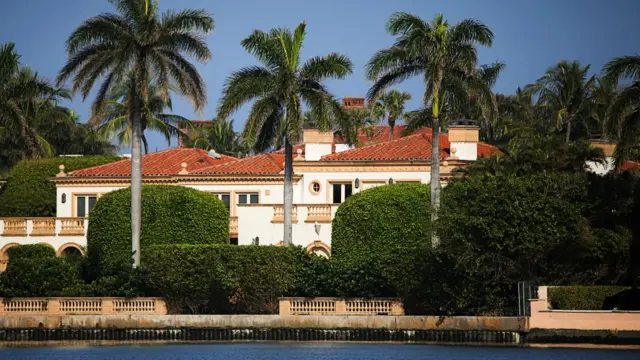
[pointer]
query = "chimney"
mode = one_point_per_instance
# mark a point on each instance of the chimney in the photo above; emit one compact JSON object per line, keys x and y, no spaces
{"x":463,"y":140}
{"x":353,"y":102}
{"x":608,"y":148}
{"x":317,"y":143}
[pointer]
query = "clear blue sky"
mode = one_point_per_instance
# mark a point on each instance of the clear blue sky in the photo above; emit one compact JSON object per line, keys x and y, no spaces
{"x":529,"y":36}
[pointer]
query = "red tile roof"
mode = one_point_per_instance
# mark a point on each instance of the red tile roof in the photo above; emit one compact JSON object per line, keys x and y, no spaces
{"x":412,"y":147}
{"x":162,"y":163}
{"x":630,"y":165}
{"x":262,"y":164}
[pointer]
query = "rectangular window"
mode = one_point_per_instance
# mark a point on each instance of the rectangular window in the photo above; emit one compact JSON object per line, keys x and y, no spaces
{"x":341,"y":191}
{"x":225,"y":198}
{"x":84,"y":204}
{"x":248,"y":198}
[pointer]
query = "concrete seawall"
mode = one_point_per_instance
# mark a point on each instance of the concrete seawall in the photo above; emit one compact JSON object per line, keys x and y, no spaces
{"x":464,"y":323}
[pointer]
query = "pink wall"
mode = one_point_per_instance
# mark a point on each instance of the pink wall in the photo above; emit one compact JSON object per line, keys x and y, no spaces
{"x":544,"y":318}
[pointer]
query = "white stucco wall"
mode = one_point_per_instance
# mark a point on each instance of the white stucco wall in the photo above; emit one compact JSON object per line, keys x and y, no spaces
{"x":465,"y":150}
{"x":601,"y":169}
{"x":326,"y":178}
{"x":67,"y":209}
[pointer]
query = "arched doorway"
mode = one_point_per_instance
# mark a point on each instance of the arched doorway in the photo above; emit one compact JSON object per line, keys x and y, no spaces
{"x":4,"y":255}
{"x":319,"y":248}
{"x":71,"y":251}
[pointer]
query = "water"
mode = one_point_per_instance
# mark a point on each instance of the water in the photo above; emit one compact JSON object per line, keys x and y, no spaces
{"x":308,"y":351}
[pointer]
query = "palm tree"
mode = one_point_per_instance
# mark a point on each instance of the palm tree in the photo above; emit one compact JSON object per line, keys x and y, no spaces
{"x":565,"y":89}
{"x":140,"y":44}
{"x":444,"y":55}
{"x":391,"y":105}
{"x":218,"y":136}
{"x":626,"y":108}
{"x":114,"y":122}
{"x":603,"y":96}
{"x":24,"y":97}
{"x":279,"y":88}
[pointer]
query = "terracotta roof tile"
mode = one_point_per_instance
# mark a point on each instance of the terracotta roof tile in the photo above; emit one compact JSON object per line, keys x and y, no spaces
{"x":162,"y":163}
{"x":262,"y":164}
{"x":630,"y":165}
{"x":412,"y":147}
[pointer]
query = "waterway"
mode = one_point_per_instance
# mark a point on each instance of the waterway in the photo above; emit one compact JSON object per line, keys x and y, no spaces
{"x":310,"y":351}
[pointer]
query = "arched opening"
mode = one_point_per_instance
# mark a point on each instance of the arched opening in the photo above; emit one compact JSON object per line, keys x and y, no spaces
{"x":72,"y":252}
{"x":4,"y":255}
{"x":319,"y":248}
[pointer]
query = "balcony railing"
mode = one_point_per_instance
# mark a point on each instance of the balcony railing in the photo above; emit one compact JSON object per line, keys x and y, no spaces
{"x":278,"y":214}
{"x":22,"y":227}
{"x":233,"y":226}
{"x":318,"y":213}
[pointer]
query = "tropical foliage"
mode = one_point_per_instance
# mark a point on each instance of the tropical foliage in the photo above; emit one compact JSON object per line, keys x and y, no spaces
{"x":142,"y":48}
{"x":280,"y":87}
{"x":217,"y":135}
{"x":444,"y":55}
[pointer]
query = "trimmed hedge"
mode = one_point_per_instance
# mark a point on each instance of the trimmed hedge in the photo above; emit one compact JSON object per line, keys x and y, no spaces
{"x":581,"y":297}
{"x":31,"y":252}
{"x":39,"y":277}
{"x":202,"y":279}
{"x":170,"y":215}
{"x":377,"y":221}
{"x":29,"y":191}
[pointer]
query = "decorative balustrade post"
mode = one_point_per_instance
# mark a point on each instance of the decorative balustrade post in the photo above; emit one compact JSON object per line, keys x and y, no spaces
{"x":341,"y":307}
{"x":53,"y":306}
{"x":284,"y":306}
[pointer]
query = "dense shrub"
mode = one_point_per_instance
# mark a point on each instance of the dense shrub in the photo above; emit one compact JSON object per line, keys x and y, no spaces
{"x":228,"y":279}
{"x":375,"y":222}
{"x":42,"y":277}
{"x":498,"y":230}
{"x":31,"y":252}
{"x":581,"y":297}
{"x":170,"y":215}
{"x":29,"y":191}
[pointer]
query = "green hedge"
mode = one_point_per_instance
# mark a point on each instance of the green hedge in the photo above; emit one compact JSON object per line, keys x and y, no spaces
{"x":581,"y":297}
{"x":170,"y":215}
{"x":229,"y":279}
{"x":29,"y":191}
{"x":31,"y":251}
{"x":38,"y":277}
{"x":378,"y":221}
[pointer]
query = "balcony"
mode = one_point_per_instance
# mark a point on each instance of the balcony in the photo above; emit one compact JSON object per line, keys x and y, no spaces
{"x":52,"y":227}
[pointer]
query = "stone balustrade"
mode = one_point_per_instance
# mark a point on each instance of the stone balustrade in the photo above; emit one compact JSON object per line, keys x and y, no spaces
{"x":82,"y":306}
{"x":278,"y":213}
{"x":318,"y":213}
{"x":18,"y":227}
{"x":337,"y":306}
{"x":233,"y":226}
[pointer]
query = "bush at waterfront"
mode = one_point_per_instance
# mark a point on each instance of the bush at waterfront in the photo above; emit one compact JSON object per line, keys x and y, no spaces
{"x":375,"y":222}
{"x":229,"y":279}
{"x":170,"y":215}
{"x":37,"y":276}
{"x":581,"y":297}
{"x":31,"y":252}
{"x":29,"y":191}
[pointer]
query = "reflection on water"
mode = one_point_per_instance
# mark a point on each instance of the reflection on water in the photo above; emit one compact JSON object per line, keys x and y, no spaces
{"x":306,"y":351}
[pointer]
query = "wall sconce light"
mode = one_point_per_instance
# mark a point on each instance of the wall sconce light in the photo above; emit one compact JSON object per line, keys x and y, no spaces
{"x":357,"y":183}
{"x":390,"y":181}
{"x":64,"y":198}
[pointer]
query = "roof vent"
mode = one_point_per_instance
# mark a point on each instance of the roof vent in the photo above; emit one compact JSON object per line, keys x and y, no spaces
{"x":213,"y":154}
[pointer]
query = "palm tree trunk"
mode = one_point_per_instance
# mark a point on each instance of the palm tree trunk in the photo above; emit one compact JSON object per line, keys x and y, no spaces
{"x":136,"y":182}
{"x":435,"y":177}
{"x":288,"y":192}
{"x":392,"y":124}
{"x":568,"y":131}
{"x":145,"y":144}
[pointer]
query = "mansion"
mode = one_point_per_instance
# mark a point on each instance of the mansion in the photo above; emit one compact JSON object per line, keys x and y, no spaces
{"x":326,"y":172}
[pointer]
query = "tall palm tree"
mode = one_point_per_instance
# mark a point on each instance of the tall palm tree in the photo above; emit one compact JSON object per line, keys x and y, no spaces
{"x":139,"y":43}
{"x":114,"y":121}
{"x":626,"y":108}
{"x":24,"y":96}
{"x":218,"y":136}
{"x":279,"y":88}
{"x":442,"y":54}
{"x":565,"y":89}
{"x":603,"y":96}
{"x":391,"y":105}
